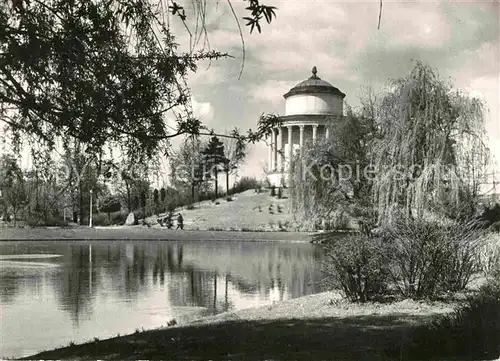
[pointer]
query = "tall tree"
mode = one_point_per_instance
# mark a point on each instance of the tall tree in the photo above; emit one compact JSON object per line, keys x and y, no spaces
{"x":234,"y":153}
{"x":187,"y":165}
{"x":12,"y":188}
{"x":431,"y":154}
{"x":163,"y":194}
{"x":156,"y":200}
{"x":214,"y":159}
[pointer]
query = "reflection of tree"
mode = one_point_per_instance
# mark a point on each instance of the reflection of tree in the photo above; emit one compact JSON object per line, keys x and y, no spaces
{"x":244,"y":286}
{"x":135,"y":270}
{"x":74,"y":282}
{"x":158,"y":267}
{"x":9,"y":285}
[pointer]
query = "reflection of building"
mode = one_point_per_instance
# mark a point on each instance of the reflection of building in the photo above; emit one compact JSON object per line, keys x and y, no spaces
{"x":309,"y":107}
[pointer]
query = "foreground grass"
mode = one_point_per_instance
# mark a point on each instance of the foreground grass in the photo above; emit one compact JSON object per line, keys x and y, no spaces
{"x":350,"y":338}
{"x":314,"y":327}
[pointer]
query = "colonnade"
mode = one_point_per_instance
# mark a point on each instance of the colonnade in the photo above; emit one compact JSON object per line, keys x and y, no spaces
{"x":276,"y":154}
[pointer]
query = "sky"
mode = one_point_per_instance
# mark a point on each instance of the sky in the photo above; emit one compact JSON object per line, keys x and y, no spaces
{"x":460,"y":39}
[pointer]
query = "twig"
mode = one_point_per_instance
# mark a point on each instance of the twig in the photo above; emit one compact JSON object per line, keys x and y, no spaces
{"x":241,"y":36}
{"x":379,"y":15}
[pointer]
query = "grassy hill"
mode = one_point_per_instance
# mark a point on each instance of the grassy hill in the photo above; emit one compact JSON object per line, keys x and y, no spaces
{"x":248,"y":211}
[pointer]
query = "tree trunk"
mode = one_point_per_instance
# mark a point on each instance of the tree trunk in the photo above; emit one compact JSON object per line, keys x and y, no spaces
{"x":129,"y":201}
{"x":80,"y":203}
{"x":192,"y":192}
{"x":216,"y":182}
{"x":227,"y":182}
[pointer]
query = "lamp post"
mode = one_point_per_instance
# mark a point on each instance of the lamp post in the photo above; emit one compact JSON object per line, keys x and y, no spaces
{"x":90,"y":218}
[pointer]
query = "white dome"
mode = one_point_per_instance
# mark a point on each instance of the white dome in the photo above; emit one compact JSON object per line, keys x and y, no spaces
{"x":314,"y":96}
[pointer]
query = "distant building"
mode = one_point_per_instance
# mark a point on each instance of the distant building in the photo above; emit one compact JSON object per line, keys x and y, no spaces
{"x":310,"y":107}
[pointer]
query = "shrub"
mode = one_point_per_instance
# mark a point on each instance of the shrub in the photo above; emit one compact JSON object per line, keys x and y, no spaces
{"x":245,"y":183}
{"x":229,"y":199}
{"x":110,"y":204}
{"x":490,"y":253}
{"x":340,"y":220}
{"x":472,"y":331}
{"x":118,"y":218}
{"x":429,"y":259}
{"x":50,"y":221}
{"x":190,"y":206}
{"x":138,"y":215}
{"x":495,"y":227}
{"x":100,"y":219}
{"x":357,"y":266}
{"x":171,"y":207}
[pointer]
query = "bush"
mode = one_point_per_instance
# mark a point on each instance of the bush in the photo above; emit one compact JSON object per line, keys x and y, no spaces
{"x":110,"y":204}
{"x":138,"y":215}
{"x":100,"y":219}
{"x":472,"y":331}
{"x":171,"y":207}
{"x":357,"y":266}
{"x":495,"y":227}
{"x":50,"y":221}
{"x":490,"y":253}
{"x":118,"y":218}
{"x":245,"y":183}
{"x":429,"y":259}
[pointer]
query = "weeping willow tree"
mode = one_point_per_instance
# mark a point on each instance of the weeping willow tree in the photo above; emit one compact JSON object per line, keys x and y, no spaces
{"x":327,"y":179}
{"x":430,"y":156}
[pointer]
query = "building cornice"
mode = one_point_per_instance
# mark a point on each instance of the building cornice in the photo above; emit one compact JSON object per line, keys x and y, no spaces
{"x":308,"y":119}
{"x":313,"y":89}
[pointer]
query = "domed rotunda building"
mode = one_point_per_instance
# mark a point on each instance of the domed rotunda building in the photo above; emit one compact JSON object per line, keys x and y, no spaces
{"x":310,"y":107}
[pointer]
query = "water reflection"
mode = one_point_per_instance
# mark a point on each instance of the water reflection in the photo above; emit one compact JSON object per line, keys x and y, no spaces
{"x":105,"y":288}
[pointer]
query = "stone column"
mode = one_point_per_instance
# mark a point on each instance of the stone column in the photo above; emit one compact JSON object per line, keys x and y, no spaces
{"x":327,"y":132}
{"x":275,"y":149}
{"x":301,"y":140}
{"x":315,"y":130}
{"x":290,"y":146}
{"x":271,"y":152}
{"x":279,"y":150}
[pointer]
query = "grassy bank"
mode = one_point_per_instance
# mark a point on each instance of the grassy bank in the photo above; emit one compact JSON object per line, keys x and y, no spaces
{"x":144,"y":233}
{"x":246,"y":211}
{"x":315,"y":327}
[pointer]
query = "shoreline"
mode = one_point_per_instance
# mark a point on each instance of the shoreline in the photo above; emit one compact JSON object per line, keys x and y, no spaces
{"x":141,"y":233}
{"x":316,"y":326}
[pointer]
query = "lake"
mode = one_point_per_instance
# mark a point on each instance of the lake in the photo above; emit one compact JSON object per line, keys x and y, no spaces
{"x":56,"y":292}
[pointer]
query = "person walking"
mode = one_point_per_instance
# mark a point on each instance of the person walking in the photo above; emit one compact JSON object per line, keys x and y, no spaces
{"x":180,"y":222}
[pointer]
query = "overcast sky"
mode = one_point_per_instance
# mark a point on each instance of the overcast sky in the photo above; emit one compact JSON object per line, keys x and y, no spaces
{"x":460,"y":39}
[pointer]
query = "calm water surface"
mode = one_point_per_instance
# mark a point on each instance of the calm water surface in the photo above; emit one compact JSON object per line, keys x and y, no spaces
{"x":52,"y":293}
